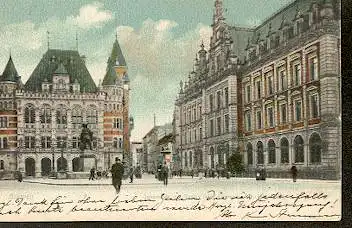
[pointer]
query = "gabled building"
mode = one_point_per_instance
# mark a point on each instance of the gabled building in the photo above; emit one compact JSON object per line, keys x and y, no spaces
{"x":41,"y":121}
{"x":271,"y":93}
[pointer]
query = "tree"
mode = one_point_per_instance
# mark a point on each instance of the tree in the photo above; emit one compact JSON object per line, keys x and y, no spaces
{"x":235,"y":164}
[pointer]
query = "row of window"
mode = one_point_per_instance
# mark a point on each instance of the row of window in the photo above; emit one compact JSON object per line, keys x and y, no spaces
{"x":222,"y":99}
{"x":189,"y":136}
{"x":46,"y":142}
{"x":191,"y":159}
{"x":315,"y":147}
{"x":282,"y":113}
{"x":288,"y":31}
{"x":61,"y":116}
{"x":282,"y":83}
{"x":7,"y":105}
{"x":217,"y":127}
{"x":192,"y":114}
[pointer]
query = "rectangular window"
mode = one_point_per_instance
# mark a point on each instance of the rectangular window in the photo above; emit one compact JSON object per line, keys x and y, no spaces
{"x":314,"y":104}
{"x":29,"y":141}
{"x":226,"y":97}
{"x":195,"y":135}
{"x":218,"y":95}
{"x":117,"y":124}
{"x":248,"y":93}
{"x":259,"y":89}
{"x":46,"y":142}
{"x":283,"y":80}
{"x":298,"y":110}
{"x":200,"y":112}
{"x":218,"y":125}
{"x":283,"y":113}
{"x":211,"y":102}
{"x":313,"y":66}
{"x":211,"y":127}
{"x":3,"y":122}
{"x":297,"y":74}
{"x":3,"y":143}
{"x":270,"y":85}
{"x":259,"y":120}
{"x":75,"y":142}
{"x":248,"y":121}
{"x":270,"y":117}
{"x":190,"y":136}
{"x":194,"y":114}
{"x":227,"y":123}
{"x":200,"y":133}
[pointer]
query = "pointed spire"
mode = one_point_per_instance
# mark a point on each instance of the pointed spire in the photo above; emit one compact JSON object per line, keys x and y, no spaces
{"x":116,"y":59}
{"x":10,"y":72}
{"x":76,"y":41}
{"x":48,"y":38}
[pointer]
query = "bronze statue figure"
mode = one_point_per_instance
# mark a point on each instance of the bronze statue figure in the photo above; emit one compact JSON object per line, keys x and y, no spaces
{"x":86,"y":138}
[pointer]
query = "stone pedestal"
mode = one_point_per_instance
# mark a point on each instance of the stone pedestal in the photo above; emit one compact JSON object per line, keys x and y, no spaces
{"x":87,"y":161}
{"x":61,"y":175}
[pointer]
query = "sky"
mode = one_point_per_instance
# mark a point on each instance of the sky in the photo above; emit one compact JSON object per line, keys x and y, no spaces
{"x":159,"y":39}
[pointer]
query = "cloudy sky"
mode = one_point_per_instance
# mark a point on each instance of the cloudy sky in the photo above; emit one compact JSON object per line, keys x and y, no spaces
{"x":159,"y":39}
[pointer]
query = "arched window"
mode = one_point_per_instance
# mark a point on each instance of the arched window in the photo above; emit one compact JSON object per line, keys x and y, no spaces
{"x":29,"y":114}
{"x":227,"y":153}
{"x":45,"y":114}
{"x":2,"y":166}
{"x":250,"y":154}
{"x":190,"y":159}
{"x":315,"y":148}
{"x":284,"y":151}
{"x":260,"y":153}
{"x":77,"y":117}
{"x":212,"y":156}
{"x":61,"y":115}
{"x":299,"y":149}
{"x":220,"y":151}
{"x":4,"y":142}
{"x":272,"y":152}
{"x":186,"y":160}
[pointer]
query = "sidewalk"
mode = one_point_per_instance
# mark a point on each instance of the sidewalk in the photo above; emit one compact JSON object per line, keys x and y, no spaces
{"x":151,"y":180}
{"x":146,"y":179}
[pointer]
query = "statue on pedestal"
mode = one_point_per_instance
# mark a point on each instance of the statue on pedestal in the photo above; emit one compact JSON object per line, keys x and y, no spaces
{"x":86,"y":138}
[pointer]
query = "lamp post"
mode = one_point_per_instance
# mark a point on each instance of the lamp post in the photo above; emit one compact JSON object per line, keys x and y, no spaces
{"x":62,"y":155}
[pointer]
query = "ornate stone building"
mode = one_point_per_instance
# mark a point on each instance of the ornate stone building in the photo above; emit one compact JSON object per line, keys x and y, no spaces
{"x":41,"y":120}
{"x":271,"y":92}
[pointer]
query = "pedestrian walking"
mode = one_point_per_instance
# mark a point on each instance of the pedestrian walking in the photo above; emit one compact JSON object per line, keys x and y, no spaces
{"x":117,"y":171}
{"x":92,"y":174}
{"x":180,"y":173}
{"x":192,"y":173}
{"x":19,"y":176}
{"x":131,"y":174}
{"x":294,"y":173}
{"x":165,"y":173}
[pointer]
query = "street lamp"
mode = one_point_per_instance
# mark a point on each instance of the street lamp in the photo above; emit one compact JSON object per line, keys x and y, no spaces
{"x":62,"y":155}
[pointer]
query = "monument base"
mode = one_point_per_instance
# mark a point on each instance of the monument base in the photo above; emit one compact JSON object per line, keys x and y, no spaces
{"x":87,"y":162}
{"x":61,"y":175}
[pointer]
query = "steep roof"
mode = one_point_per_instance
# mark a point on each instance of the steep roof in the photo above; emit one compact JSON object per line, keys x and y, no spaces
{"x":61,"y":69}
{"x":10,"y":72}
{"x":116,"y":59}
{"x":72,"y":64}
{"x":273,"y":23}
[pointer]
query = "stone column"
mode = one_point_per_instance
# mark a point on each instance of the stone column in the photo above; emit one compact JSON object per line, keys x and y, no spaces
{"x":38,"y":166}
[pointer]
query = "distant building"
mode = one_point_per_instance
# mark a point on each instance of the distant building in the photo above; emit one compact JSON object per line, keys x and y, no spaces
{"x":152,"y":156}
{"x":43,"y":118}
{"x":271,"y":93}
{"x":166,"y":146}
{"x":136,"y":153}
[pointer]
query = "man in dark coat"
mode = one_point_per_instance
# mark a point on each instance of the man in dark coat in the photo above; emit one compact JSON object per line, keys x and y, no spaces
{"x":92,"y":174}
{"x":294,"y":173}
{"x":131,"y":174}
{"x":165,"y":173}
{"x":117,"y":174}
